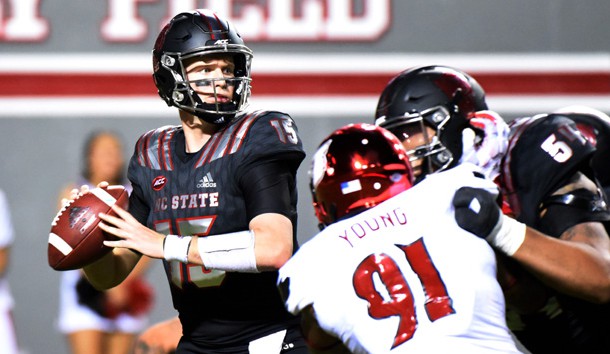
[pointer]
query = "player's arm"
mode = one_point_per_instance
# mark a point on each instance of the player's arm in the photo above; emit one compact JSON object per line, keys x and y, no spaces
{"x":112,"y":269}
{"x":267,"y":244}
{"x":577,"y":264}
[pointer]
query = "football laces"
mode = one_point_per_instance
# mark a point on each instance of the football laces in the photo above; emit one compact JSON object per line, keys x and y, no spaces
{"x":61,"y":211}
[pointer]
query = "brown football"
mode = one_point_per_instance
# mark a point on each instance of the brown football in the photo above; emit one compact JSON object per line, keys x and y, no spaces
{"x":75,"y":240}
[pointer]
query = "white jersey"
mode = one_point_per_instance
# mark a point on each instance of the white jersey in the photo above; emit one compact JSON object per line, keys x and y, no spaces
{"x":403,"y":277}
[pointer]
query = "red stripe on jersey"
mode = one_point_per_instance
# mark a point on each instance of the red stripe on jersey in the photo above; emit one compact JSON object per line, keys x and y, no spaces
{"x":208,"y":151}
{"x":145,"y":149}
{"x":142,"y":149}
{"x":240,"y":133}
{"x":168,"y":149}
{"x":160,"y":150}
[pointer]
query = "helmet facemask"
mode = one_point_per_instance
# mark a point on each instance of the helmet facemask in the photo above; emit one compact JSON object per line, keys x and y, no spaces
{"x":436,"y":157}
{"x":201,"y":34}
{"x":185,"y":96}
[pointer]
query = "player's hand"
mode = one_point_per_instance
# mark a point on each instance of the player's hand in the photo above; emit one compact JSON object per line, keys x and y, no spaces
{"x":486,"y":142}
{"x":131,"y":233}
{"x":77,"y":193}
{"x":477,"y":211}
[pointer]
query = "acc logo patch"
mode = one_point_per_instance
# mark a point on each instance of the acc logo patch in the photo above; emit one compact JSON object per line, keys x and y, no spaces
{"x":158,"y":183}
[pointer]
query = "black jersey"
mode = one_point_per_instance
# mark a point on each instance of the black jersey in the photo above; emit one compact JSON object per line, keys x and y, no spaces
{"x":201,"y":195}
{"x":544,"y":152}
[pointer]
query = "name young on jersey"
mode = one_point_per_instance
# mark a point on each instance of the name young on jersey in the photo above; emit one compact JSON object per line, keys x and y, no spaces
{"x":372,"y":224}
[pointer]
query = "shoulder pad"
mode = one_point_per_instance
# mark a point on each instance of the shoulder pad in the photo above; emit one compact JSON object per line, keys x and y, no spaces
{"x":543,"y":152}
{"x":152,"y":149}
{"x":269,"y":135}
{"x":566,"y":210}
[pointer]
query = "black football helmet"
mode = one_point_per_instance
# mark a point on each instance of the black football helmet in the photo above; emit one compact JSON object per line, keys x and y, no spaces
{"x":595,"y":126}
{"x":439,"y":97}
{"x":199,"y":33}
{"x":355,"y":168}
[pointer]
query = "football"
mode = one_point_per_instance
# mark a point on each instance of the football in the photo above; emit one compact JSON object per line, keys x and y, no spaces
{"x":75,"y":240}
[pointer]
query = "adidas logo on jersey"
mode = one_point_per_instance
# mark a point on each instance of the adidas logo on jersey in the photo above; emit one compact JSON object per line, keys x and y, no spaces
{"x":206,"y":182}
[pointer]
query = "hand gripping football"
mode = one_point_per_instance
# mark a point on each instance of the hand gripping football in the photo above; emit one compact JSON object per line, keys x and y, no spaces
{"x":75,"y":239}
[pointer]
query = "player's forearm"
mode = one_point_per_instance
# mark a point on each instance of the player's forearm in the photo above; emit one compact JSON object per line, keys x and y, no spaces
{"x":111,"y":269}
{"x":266,"y":246}
{"x":575,"y":268}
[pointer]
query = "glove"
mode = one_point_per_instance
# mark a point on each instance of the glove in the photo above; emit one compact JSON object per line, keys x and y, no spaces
{"x":486,"y":142}
{"x":477,"y":212}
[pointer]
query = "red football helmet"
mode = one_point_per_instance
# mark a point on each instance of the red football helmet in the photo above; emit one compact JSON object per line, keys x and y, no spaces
{"x":355,"y":168}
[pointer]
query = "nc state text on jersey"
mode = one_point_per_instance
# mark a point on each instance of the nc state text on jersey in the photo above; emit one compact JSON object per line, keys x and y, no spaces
{"x":187,"y":201}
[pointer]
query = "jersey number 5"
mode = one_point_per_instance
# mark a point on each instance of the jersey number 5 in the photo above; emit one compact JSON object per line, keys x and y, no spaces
{"x":438,"y":303}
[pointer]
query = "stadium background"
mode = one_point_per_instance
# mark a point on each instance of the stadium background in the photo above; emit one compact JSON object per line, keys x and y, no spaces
{"x":65,"y":71}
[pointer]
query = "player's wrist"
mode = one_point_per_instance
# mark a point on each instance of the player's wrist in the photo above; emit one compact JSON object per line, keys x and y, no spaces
{"x":176,"y":248}
{"x":508,"y":235}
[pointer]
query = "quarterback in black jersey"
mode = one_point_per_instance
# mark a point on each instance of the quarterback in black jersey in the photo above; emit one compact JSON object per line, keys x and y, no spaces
{"x":214,"y":197}
{"x":557,"y":287}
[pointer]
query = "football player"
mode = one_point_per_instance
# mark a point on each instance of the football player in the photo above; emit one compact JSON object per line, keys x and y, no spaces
{"x":557,"y":283}
{"x":214,"y":197}
{"x":440,"y":115}
{"x":391,"y":272}
{"x":447,"y":104}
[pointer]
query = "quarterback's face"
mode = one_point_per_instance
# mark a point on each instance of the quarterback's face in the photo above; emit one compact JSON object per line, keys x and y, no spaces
{"x":207,"y":76}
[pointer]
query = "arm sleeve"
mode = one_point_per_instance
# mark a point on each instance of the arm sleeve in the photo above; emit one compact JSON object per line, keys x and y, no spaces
{"x":269,"y":187}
